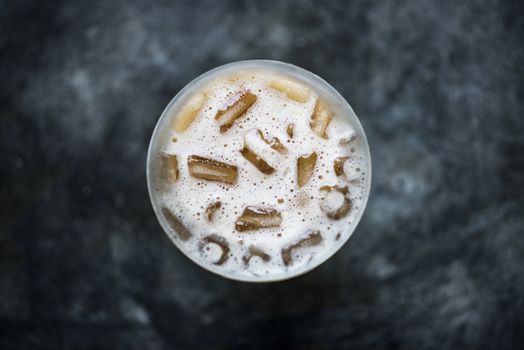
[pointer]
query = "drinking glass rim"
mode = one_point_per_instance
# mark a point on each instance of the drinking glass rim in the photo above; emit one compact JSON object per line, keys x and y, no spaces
{"x":294,"y":71}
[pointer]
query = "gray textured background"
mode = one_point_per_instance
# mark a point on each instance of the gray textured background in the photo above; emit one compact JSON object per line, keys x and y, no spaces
{"x":436,"y":263}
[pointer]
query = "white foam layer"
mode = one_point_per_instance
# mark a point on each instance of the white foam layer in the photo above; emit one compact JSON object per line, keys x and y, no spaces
{"x":300,"y":208}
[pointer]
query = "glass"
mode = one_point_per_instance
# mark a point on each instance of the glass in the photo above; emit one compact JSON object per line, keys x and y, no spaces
{"x":341,"y":107}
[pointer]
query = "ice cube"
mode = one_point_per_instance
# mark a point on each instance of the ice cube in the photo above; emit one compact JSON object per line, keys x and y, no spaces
{"x":292,"y":89}
{"x":320,"y":118}
{"x":254,"y":218}
{"x":174,"y":223}
{"x":338,"y":165}
{"x":331,"y":195}
{"x":312,"y":238}
{"x":169,"y":168}
{"x":234,"y":110}
{"x":189,"y":112}
{"x":274,"y":143}
{"x":258,"y":162}
{"x":305,"y":168}
{"x":263,"y":154}
{"x":211,"y":209}
{"x":221,"y":242}
{"x":348,"y":138}
{"x":255,"y":251}
{"x":351,"y":172}
{"x":212,"y":170}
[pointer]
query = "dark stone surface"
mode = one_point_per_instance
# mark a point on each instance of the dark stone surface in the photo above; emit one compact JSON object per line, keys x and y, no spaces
{"x":436,"y":263}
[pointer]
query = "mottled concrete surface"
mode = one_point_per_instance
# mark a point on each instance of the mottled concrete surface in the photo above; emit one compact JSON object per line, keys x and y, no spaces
{"x":436,"y":263}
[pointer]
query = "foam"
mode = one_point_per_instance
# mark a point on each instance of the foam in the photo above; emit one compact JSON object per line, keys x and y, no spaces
{"x":300,"y":207}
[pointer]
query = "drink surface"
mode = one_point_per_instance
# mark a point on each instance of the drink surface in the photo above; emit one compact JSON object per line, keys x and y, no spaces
{"x":257,"y":173}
